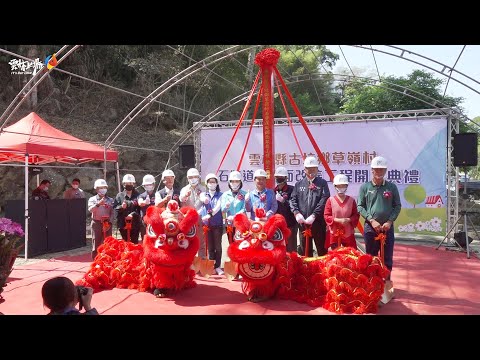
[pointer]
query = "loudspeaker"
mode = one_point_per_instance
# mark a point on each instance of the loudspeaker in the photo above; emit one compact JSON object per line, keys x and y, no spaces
{"x":465,"y":150}
{"x":186,"y":156}
{"x":460,"y":239}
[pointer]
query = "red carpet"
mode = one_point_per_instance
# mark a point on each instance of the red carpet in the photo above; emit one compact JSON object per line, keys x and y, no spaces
{"x":427,"y":282}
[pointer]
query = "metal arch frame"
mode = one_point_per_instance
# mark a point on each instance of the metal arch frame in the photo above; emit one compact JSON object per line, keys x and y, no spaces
{"x":299,"y":78}
{"x":100,"y":83}
{"x":167,"y":85}
{"x":403,"y":51}
{"x":40,"y":75}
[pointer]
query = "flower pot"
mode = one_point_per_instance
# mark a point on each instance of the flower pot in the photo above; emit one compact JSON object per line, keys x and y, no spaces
{"x":6,"y":269}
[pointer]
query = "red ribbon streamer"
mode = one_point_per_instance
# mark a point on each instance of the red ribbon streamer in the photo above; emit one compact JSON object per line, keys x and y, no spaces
{"x":381,"y":237}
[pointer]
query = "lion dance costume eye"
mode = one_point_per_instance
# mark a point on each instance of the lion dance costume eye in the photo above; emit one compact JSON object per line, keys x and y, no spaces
{"x":162,"y":264}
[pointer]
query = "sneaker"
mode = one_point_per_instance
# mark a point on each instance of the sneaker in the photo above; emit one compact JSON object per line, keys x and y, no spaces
{"x":219,"y":271}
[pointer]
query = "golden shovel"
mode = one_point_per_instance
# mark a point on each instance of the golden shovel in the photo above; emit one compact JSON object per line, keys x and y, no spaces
{"x":230,"y":267}
{"x":206,"y":266}
{"x":196,"y":263}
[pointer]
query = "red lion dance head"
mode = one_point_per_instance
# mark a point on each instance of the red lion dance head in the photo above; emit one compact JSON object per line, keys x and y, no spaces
{"x":170,"y":239}
{"x":258,"y":248}
{"x":162,"y":264}
{"x":170,"y":244}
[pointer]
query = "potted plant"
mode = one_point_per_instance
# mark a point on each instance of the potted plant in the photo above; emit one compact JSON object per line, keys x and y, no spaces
{"x":10,"y":234}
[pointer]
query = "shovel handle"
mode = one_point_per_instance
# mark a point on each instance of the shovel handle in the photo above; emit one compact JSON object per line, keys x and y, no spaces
{"x":307,"y":235}
{"x":206,"y":229}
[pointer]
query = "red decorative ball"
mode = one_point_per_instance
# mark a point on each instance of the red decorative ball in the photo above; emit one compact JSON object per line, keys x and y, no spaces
{"x":267,"y":57}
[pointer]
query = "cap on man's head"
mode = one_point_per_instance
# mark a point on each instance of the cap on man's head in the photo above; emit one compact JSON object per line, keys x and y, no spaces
{"x":45,"y":182}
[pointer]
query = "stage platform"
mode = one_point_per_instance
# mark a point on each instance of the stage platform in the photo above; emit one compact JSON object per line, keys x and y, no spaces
{"x":427,"y":282}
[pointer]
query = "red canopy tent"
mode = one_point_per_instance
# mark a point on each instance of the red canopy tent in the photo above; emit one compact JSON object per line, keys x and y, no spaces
{"x":33,"y":141}
{"x":45,"y":144}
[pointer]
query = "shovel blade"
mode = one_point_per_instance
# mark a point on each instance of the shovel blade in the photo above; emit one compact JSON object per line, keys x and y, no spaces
{"x":206,"y":267}
{"x":196,"y":263}
{"x":230,"y":268}
{"x":388,"y":292}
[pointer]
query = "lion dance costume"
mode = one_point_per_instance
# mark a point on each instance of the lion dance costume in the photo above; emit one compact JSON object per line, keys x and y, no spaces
{"x":162,"y":264}
{"x":344,"y":281}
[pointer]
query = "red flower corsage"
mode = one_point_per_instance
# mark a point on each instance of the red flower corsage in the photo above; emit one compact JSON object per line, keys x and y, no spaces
{"x":387,"y":194}
{"x":285,"y":196}
{"x":240,"y":197}
{"x":198,"y":192}
{"x":312,"y":186}
{"x":263,"y":197}
{"x":210,"y":211}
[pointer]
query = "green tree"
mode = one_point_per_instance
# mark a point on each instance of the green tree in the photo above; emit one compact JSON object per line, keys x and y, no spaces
{"x":395,"y":94}
{"x":317,"y":96}
{"x":415,"y":194}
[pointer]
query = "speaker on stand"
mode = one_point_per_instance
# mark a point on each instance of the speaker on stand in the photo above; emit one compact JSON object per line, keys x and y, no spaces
{"x":465,"y":150}
{"x":186,"y":156}
{"x":465,"y":153}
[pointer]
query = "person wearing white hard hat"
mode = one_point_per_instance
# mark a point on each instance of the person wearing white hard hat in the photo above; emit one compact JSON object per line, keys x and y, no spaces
{"x":261,"y":197}
{"x":379,"y":204}
{"x":233,"y":200}
{"x":101,"y":208}
{"x":307,"y":203}
{"x":283,"y":193}
{"x":190,"y":196}
{"x":145,"y":200}
{"x":341,"y":215}
{"x":233,"y":203}
{"x":169,"y":192}
{"x":211,"y":216}
{"x":127,"y":210}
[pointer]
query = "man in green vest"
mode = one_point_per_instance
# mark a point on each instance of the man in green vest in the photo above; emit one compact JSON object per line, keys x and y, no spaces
{"x":379,"y":204}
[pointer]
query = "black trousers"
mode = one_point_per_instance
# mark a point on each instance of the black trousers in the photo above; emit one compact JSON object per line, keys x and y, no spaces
{"x":215,"y":244}
{"x":319,"y":233}
{"x":134,"y":232}
{"x":292,"y":239}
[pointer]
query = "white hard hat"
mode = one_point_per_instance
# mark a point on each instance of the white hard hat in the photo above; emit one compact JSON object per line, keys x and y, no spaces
{"x":281,"y":171}
{"x":148,"y":180}
{"x":99,"y":183}
{"x":167,"y":173}
{"x":128,"y":178}
{"x":235,"y":175}
{"x":259,"y":172}
{"x":211,"y":176}
{"x":379,"y":162}
{"x":192,"y":172}
{"x":310,"y":161}
{"x":340,"y":179}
